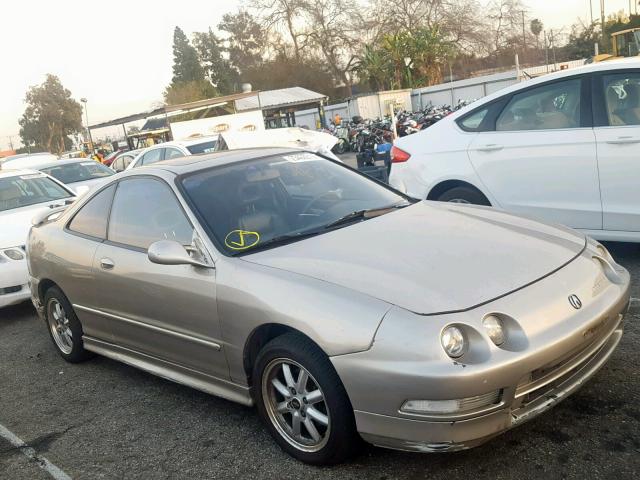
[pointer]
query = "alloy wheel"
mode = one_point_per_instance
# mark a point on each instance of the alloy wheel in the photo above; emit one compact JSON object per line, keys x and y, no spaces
{"x":59,"y":326}
{"x":296,"y":405}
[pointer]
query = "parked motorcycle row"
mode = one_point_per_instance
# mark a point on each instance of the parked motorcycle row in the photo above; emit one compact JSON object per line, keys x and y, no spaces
{"x":366,"y":135}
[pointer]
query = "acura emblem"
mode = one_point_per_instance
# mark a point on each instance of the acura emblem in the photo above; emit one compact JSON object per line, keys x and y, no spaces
{"x":575,"y":302}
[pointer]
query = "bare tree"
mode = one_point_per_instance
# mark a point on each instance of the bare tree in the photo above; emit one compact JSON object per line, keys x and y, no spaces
{"x":283,"y":15}
{"x":334,"y":31}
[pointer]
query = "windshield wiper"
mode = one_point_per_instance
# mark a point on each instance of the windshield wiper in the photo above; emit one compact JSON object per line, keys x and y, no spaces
{"x":365,"y":214}
{"x":281,"y":240}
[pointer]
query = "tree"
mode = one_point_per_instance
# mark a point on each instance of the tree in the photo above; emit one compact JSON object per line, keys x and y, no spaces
{"x":582,"y":40}
{"x":245,"y":39}
{"x":333,"y":30}
{"x":505,"y":23}
{"x":186,"y":66}
{"x":284,"y":15}
{"x":51,"y":115}
{"x":217,"y":68}
{"x":185,"y":92}
{"x":405,"y":59}
{"x":536,"y":28}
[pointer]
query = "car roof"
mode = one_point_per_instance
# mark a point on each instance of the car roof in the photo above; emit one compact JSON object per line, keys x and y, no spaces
{"x":34,"y":164}
{"x":203,"y":161}
{"x":607,"y":66}
{"x":6,"y":173}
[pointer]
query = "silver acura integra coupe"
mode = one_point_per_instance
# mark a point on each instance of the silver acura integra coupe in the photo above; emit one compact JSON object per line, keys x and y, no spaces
{"x":338,"y":306}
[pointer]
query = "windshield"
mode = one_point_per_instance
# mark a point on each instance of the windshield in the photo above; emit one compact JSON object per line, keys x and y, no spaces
{"x":253,"y":204}
{"x":25,"y":190}
{"x":205,"y":147}
{"x":78,"y":172}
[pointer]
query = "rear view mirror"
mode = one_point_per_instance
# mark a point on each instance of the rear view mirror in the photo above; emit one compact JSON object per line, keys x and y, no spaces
{"x":169,"y":252}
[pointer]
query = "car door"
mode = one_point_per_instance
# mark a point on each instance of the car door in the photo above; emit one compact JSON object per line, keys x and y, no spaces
{"x":539,"y":157}
{"x":617,"y":130}
{"x":152,"y":156}
{"x":84,"y":233}
{"x":165,"y":311}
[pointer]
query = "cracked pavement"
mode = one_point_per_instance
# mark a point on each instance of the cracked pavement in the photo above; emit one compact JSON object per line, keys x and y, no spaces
{"x":105,"y":420}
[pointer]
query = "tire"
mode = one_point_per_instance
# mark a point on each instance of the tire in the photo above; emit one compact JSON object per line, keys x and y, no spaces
{"x":340,"y":147}
{"x":331,"y":417}
{"x":64,"y":327}
{"x":464,"y":195}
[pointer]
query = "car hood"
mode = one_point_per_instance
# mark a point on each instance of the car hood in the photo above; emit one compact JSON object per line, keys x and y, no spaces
{"x":16,"y":224}
{"x":432,"y":257}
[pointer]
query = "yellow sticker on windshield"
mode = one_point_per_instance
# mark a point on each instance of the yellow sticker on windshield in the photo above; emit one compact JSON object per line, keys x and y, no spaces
{"x":241,"y":239}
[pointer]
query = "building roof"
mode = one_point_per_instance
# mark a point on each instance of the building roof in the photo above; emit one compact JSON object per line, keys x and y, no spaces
{"x":283,"y":97}
{"x":183,"y":107}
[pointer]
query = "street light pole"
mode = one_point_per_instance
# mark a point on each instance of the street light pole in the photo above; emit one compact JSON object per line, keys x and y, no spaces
{"x":86,"y":114}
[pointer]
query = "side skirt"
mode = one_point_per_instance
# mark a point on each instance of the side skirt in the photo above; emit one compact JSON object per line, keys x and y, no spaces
{"x":170,"y":371}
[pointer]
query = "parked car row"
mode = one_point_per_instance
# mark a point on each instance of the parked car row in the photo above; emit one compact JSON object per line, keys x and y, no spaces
{"x":254,"y":273}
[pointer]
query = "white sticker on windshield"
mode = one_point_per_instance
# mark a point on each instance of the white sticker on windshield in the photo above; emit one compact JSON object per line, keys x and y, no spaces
{"x":301,"y":157}
{"x":89,"y":163}
{"x":31,"y":175}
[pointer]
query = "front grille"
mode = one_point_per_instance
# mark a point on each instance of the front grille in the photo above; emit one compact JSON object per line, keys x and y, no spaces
{"x":8,"y":290}
{"x":542,"y":380}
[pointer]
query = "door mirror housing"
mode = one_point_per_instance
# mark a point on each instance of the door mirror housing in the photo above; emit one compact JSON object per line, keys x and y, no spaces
{"x":169,"y":252}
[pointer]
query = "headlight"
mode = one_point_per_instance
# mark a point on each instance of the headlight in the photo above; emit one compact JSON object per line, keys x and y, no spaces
{"x":14,"y":253}
{"x":453,"y":341}
{"x":494,"y":328}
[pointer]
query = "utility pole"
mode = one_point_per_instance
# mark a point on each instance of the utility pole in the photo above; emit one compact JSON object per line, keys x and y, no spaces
{"x":546,"y":51}
{"x":86,"y":113}
{"x":553,"y":49}
{"x":10,"y":143}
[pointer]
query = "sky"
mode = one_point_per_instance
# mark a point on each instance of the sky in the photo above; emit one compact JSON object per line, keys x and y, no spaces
{"x":117,"y":54}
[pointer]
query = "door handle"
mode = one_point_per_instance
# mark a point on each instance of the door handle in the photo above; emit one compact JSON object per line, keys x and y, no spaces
{"x":107,"y":263}
{"x":624,"y":140}
{"x":492,"y":147}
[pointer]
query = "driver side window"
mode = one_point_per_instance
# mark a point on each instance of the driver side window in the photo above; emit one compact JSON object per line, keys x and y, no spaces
{"x":145,"y":211}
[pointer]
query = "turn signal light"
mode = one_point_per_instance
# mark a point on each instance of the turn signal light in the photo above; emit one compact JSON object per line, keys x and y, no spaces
{"x":399,"y":156}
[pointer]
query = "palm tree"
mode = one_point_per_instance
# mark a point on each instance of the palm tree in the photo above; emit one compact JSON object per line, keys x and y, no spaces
{"x":536,"y":28}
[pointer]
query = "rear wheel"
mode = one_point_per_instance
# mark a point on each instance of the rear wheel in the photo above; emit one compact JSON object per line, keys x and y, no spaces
{"x":64,"y":326}
{"x":464,"y":195}
{"x":303,"y":402}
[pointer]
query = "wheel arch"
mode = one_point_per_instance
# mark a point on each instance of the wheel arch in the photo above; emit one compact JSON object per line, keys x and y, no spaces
{"x":259,"y":337}
{"x":446,"y":185}
{"x":43,"y":286}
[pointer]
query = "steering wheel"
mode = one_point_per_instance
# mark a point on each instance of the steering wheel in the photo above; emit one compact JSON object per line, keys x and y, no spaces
{"x":313,"y":201}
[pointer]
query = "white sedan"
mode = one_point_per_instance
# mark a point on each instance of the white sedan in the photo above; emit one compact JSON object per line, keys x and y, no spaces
{"x":79,"y":174}
{"x":175,"y":149}
{"x":563,"y":147}
{"x":23,"y":194}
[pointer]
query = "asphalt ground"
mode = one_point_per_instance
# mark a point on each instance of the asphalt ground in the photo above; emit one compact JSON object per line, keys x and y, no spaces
{"x":103,"y":419}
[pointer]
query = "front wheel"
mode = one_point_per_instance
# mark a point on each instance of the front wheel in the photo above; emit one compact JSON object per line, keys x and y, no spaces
{"x":303,"y":402}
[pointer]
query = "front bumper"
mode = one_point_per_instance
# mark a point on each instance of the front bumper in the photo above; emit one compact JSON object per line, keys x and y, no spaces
{"x":424,"y":436}
{"x":559,"y":349}
{"x":13,"y":282}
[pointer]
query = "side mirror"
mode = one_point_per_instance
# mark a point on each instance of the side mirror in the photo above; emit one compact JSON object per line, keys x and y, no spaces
{"x":169,"y":252}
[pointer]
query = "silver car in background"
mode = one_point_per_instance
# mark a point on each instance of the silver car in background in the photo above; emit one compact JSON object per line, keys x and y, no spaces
{"x":339,"y":307}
